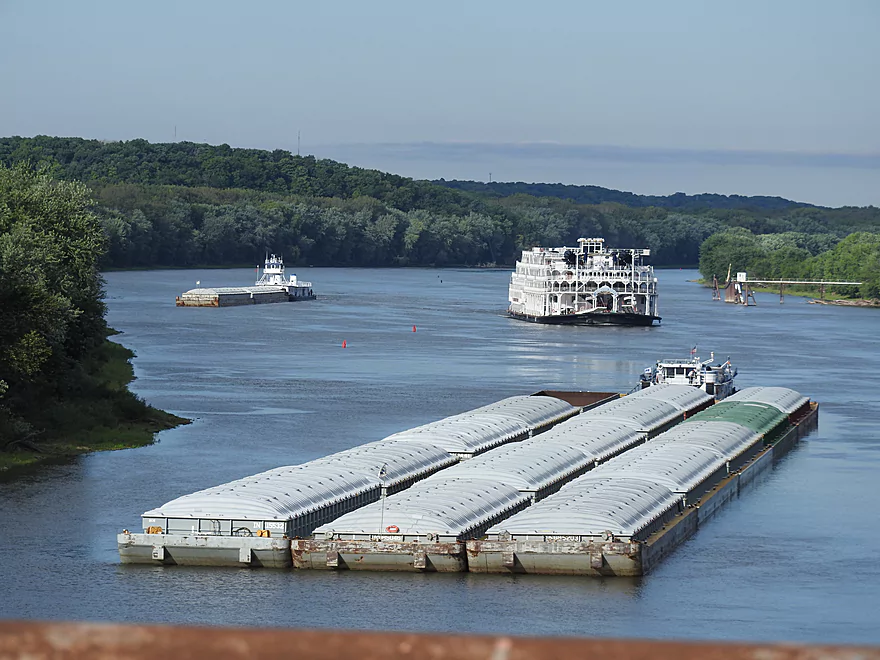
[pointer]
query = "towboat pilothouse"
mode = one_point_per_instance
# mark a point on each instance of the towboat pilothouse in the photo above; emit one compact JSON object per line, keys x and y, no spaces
{"x":715,"y":380}
{"x":584,"y":285}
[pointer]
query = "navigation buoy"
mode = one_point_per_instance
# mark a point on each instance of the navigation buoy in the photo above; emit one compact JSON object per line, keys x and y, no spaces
{"x":343,"y":343}
{"x":414,"y":328}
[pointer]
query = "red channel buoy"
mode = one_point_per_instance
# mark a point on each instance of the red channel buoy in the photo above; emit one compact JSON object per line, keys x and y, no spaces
{"x":414,"y":328}
{"x":343,"y":343}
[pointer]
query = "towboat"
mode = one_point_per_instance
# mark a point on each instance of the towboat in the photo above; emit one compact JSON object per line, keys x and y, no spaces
{"x":714,"y":379}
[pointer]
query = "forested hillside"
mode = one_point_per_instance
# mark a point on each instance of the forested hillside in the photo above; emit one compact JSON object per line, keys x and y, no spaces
{"x":186,"y":204}
{"x":599,"y":195}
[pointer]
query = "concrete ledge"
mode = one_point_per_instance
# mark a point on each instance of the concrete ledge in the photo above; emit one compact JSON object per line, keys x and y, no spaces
{"x":89,"y":640}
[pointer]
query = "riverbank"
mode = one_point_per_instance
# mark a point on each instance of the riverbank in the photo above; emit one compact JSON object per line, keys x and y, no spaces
{"x":861,"y":302}
{"x":108,"y":417}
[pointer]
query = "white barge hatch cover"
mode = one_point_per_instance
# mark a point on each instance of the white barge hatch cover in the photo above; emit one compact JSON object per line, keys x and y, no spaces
{"x":441,"y":510}
{"x":729,"y":439}
{"x":684,"y":469}
{"x":683,"y":397}
{"x":536,"y":412}
{"x":593,"y":506}
{"x":532,"y":466}
{"x":466,"y":434}
{"x":596,"y":438}
{"x":294,"y":499}
{"x":396,"y":464}
{"x":781,"y":398}
{"x":644,"y":415}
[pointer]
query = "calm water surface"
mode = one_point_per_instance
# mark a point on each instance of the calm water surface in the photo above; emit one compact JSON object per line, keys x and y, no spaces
{"x":796,"y":559}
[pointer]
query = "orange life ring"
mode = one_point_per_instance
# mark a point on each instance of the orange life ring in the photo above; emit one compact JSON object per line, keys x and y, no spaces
{"x":392,"y":529}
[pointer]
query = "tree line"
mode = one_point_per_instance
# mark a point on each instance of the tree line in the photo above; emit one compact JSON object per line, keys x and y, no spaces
{"x":55,"y":360}
{"x":187,"y":204}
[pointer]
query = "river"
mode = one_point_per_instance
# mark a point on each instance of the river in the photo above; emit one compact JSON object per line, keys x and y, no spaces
{"x":797,"y":558}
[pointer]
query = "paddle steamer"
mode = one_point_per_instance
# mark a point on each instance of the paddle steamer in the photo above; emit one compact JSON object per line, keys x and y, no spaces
{"x":584,"y":285}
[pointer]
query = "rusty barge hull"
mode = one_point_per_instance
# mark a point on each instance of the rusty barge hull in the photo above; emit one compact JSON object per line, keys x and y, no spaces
{"x":379,"y":556}
{"x":623,"y":557}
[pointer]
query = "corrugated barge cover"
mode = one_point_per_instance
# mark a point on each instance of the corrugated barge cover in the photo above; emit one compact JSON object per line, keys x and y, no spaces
{"x":402,"y":460}
{"x":467,"y":433}
{"x":534,"y":411}
{"x":277,"y":494}
{"x":760,"y":417}
{"x":731,"y":440}
{"x":444,"y":507}
{"x":786,"y":400}
{"x":681,"y":468}
{"x":531,"y":465}
{"x":591,"y":506}
{"x":645,"y":415}
{"x":596,"y":439}
{"x":683,"y":397}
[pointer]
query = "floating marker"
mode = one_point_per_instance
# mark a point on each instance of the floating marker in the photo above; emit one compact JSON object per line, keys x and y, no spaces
{"x":414,"y":328}
{"x":343,"y":343}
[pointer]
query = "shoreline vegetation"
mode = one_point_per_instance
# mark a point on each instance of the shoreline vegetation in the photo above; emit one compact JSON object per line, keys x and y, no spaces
{"x":808,"y":293}
{"x":188,"y":204}
{"x":63,"y":383}
{"x":111,"y":417}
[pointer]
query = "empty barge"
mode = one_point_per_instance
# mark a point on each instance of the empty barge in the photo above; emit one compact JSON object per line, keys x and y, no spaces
{"x":557,"y":483}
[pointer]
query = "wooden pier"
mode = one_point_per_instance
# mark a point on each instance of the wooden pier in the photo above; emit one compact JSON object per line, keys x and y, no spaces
{"x":740,"y":291}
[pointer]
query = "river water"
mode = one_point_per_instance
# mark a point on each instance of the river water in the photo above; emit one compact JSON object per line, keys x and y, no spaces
{"x":798,"y":558}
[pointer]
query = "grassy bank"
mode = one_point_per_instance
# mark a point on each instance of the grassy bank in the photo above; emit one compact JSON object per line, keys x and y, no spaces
{"x":103,"y":417}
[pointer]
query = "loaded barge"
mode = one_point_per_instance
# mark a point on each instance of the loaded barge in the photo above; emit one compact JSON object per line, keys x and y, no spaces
{"x":270,"y":288}
{"x":557,"y":483}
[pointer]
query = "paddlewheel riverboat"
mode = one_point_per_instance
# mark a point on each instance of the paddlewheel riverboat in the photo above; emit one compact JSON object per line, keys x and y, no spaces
{"x":584,"y":285}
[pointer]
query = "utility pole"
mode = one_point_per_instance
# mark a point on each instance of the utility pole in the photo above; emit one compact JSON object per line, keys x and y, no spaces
{"x":297,"y":143}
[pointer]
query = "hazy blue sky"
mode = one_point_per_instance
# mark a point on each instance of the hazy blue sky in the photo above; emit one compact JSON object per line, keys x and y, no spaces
{"x":390,"y":84}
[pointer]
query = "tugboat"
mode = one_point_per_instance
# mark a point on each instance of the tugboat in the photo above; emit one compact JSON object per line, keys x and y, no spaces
{"x":715,"y":380}
{"x":270,"y":288}
{"x":584,"y":285}
{"x":273,"y":275}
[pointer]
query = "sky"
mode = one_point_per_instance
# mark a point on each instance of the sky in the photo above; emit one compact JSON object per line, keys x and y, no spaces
{"x":747,"y":97}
